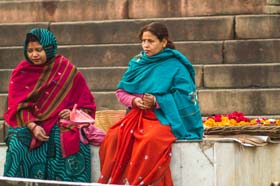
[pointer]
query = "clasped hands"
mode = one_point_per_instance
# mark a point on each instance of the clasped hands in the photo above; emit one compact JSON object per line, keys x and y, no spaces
{"x":147,"y":102}
{"x":39,"y":133}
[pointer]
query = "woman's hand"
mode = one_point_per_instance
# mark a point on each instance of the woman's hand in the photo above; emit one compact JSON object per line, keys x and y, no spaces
{"x":139,"y":103}
{"x":149,"y":100}
{"x":38,"y":131}
{"x":65,"y":114}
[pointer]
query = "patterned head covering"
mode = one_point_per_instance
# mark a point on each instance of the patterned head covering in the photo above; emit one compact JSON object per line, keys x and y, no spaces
{"x":45,"y":38}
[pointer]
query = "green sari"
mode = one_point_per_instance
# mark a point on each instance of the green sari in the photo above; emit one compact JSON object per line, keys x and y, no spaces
{"x":45,"y":162}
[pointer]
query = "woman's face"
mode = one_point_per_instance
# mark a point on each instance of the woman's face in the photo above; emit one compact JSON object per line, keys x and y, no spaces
{"x":36,"y":53}
{"x":151,"y":44}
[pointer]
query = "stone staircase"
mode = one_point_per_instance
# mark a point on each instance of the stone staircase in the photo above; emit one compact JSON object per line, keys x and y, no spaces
{"x":234,"y":45}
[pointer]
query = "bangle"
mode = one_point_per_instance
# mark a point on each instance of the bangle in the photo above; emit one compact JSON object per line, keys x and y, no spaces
{"x":33,"y":128}
{"x":155,"y":101}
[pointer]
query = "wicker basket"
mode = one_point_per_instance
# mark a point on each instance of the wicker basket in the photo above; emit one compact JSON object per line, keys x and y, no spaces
{"x":272,"y":131}
{"x":106,"y":118}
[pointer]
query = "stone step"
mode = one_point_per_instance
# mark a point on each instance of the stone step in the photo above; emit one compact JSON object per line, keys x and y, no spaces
{"x":182,"y":8}
{"x":122,"y":31}
{"x":98,"y":78}
{"x":257,"y":26}
{"x":61,"y":10}
{"x":207,"y":76}
{"x":241,"y":76}
{"x":250,"y":101}
{"x":87,"y":10}
{"x":198,"y":52}
{"x":252,"y":51}
{"x":211,"y":28}
{"x":203,"y":52}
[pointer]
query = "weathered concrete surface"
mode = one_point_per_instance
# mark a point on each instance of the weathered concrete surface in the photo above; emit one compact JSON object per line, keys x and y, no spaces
{"x":118,"y":55}
{"x":262,"y":101}
{"x":258,"y":26}
{"x":242,"y":76}
{"x":185,"y":8}
{"x":61,"y":10}
{"x":14,"y":34}
{"x":87,"y":10}
{"x":273,"y":2}
{"x":249,"y":101}
{"x":3,"y":103}
{"x":126,"y":31}
{"x":272,"y":9}
{"x":252,"y":51}
{"x":98,"y":78}
{"x":212,"y":163}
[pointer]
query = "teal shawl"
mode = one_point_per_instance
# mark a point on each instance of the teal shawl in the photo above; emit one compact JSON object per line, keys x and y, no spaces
{"x":170,"y":77}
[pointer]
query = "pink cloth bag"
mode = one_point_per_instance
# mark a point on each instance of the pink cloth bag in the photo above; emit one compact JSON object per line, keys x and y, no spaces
{"x":89,"y":134}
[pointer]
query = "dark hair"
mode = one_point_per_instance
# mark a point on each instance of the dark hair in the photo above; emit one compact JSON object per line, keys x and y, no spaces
{"x":31,"y":38}
{"x":159,"y":30}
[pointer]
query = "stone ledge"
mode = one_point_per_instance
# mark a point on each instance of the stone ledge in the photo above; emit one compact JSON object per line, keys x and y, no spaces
{"x":252,"y":51}
{"x":273,"y":2}
{"x":182,"y":8}
{"x":126,"y":31}
{"x":258,"y":26}
{"x":272,"y":9}
{"x":60,"y":10}
{"x":250,"y":101}
{"x":222,"y":162}
{"x":242,"y":76}
{"x":118,"y":55}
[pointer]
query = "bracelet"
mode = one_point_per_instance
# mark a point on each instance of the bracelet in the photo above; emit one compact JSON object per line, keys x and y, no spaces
{"x":33,"y":128}
{"x":155,"y":102}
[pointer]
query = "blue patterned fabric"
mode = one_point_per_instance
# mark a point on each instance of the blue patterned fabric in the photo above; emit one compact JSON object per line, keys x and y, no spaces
{"x":45,"y":162}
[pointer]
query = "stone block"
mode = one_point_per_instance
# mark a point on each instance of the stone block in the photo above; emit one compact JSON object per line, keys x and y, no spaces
{"x":57,"y":10}
{"x":252,"y":51}
{"x":107,"y":79}
{"x":14,"y":34}
{"x":273,"y":2}
{"x":2,"y":131}
{"x":249,"y":101}
{"x":3,"y":105}
{"x":272,"y":9}
{"x":10,"y":57}
{"x":100,"y":55}
{"x":116,"y":55}
{"x":183,"y":8}
{"x":126,"y":31}
{"x":258,"y":27}
{"x":4,"y":80}
{"x":107,"y":101}
{"x":242,"y":76}
{"x":202,"y":52}
{"x":220,"y":162}
{"x":103,"y":79}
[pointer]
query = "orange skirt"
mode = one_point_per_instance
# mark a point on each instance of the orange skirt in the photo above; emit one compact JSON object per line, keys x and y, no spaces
{"x":137,"y":151}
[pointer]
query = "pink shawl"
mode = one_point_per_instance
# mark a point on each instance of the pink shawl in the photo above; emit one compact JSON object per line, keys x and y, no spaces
{"x":39,"y":92}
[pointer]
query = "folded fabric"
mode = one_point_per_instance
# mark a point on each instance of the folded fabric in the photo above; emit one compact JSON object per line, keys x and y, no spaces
{"x":80,"y":127}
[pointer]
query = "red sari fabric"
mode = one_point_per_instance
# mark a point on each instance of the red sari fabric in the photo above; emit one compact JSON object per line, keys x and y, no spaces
{"x":137,"y":151}
{"x":37,"y":93}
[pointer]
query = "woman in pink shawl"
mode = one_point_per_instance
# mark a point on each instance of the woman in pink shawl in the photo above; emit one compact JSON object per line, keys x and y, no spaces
{"x":42,"y":90}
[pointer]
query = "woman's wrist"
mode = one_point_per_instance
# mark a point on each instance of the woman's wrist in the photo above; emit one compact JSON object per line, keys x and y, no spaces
{"x":31,"y":126}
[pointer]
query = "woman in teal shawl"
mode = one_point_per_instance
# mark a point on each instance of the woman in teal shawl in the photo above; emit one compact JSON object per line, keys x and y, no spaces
{"x":159,"y":88}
